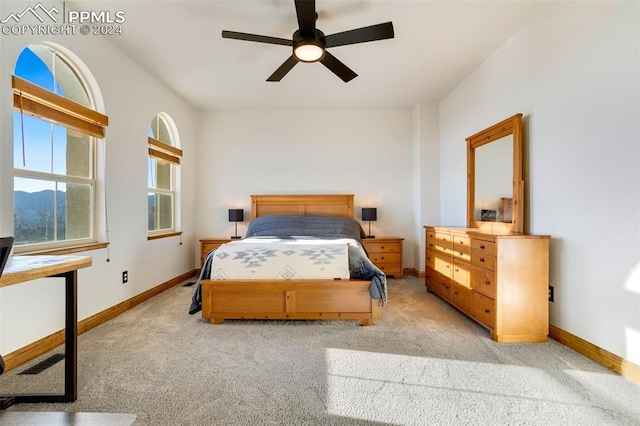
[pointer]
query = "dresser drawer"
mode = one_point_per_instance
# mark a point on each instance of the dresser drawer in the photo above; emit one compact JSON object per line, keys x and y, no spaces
{"x":462,"y":255}
{"x":443,"y":242}
{"x":437,"y":266}
{"x":430,"y":259}
{"x":431,"y":239}
{"x":461,"y":297}
{"x":462,"y":243}
{"x":484,"y":281}
{"x":442,"y":264}
{"x":383,"y":257}
{"x":382,"y":247}
{"x":462,"y":273}
{"x":390,"y":268}
{"x":439,"y":241}
{"x":439,"y":285}
{"x":482,"y":246}
{"x":483,"y":260}
{"x":483,"y":309}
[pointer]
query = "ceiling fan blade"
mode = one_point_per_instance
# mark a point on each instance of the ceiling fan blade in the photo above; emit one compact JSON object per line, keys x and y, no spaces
{"x":283,"y":69}
{"x":361,"y":35}
{"x":253,"y":37}
{"x":337,"y":67}
{"x":306,"y":12}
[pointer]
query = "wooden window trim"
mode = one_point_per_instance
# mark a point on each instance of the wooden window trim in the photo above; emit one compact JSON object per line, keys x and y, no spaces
{"x":67,"y":250}
{"x":42,"y":103}
{"x":165,"y":146}
{"x":164,"y":156}
{"x":163,"y":235}
{"x":45,"y":112}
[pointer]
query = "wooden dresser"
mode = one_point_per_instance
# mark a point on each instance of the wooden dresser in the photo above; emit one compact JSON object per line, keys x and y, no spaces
{"x":208,"y":244}
{"x":386,"y":254}
{"x":499,"y":280}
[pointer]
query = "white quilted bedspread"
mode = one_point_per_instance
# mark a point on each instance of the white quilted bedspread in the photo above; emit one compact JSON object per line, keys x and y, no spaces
{"x":288,"y":259}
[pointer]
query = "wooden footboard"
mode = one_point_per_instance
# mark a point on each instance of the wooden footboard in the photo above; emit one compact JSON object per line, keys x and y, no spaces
{"x":297,"y":300}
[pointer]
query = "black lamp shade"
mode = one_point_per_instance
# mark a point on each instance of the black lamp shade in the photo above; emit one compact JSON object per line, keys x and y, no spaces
{"x":236,"y":215}
{"x":369,"y":213}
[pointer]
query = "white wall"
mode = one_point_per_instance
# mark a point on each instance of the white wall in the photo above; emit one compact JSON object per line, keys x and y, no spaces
{"x":426,"y":161}
{"x":574,"y":74}
{"x":365,"y":153}
{"x":31,"y":311}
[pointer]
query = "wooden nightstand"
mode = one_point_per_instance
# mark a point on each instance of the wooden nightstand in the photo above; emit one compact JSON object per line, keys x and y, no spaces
{"x":386,"y":254}
{"x":208,"y":244}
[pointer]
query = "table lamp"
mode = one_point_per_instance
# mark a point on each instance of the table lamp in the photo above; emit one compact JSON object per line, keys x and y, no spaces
{"x":236,"y":215}
{"x":369,"y":214}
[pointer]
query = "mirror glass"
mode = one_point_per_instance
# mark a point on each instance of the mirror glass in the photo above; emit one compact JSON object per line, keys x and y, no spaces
{"x":494,"y":181}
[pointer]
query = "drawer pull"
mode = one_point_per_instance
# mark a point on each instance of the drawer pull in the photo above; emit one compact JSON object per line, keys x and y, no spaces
{"x":482,"y":259}
{"x":457,"y":270}
{"x":381,"y":257}
{"x":487,"y":311}
{"x":487,"y":282}
{"x":447,"y":266}
{"x":461,"y":254}
{"x":381,"y":247}
{"x":456,"y":293}
{"x":482,"y":246}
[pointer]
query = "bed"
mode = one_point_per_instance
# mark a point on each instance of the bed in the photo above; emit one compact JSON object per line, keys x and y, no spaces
{"x":358,"y":296}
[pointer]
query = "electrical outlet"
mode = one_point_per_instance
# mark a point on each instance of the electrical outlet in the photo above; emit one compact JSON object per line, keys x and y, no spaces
{"x":125,"y":277}
{"x":550,"y":293}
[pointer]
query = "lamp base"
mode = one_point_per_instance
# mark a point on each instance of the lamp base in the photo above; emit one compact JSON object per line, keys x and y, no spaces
{"x":235,"y":238}
{"x":371,"y":236}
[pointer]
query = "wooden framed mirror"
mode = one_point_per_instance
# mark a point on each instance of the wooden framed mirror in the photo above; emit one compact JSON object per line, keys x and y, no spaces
{"x":495,"y":187}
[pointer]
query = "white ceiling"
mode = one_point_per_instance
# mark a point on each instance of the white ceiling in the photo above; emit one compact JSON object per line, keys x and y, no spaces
{"x":436,"y":45}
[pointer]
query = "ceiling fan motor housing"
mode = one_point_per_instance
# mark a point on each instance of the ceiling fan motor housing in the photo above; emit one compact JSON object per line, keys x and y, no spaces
{"x":317,"y":45}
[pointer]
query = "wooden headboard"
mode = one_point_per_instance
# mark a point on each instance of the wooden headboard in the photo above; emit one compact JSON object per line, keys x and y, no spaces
{"x":340,"y":205}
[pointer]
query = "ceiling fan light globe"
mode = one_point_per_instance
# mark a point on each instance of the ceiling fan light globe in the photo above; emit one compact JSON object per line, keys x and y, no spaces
{"x":310,"y":51}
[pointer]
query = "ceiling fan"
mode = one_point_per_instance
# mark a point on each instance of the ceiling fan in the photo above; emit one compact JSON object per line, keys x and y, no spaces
{"x":310,"y":44}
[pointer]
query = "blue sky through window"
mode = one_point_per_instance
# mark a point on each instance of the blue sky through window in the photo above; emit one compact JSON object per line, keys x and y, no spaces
{"x":44,"y":143}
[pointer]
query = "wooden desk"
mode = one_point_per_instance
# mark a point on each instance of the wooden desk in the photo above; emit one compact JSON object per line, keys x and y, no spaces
{"x":20,"y":269}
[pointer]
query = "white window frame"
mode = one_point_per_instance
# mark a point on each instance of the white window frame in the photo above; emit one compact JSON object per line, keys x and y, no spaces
{"x":49,"y":107}
{"x":167,"y":153}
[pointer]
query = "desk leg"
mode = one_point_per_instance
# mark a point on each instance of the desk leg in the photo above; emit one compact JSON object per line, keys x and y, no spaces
{"x":71,"y":336}
{"x":70,"y":351}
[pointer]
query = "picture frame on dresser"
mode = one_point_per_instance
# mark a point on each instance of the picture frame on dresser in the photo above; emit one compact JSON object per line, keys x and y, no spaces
{"x":506,"y":209}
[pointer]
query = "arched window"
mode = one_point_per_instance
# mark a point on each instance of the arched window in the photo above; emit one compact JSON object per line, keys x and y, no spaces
{"x":55,"y":129}
{"x":163,"y":171}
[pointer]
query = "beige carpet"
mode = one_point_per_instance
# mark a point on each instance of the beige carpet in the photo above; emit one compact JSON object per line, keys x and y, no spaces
{"x":48,"y":418}
{"x":423,"y":363}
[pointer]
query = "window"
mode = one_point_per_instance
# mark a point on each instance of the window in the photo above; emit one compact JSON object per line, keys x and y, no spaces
{"x":164,"y":163}
{"x":55,"y":131}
